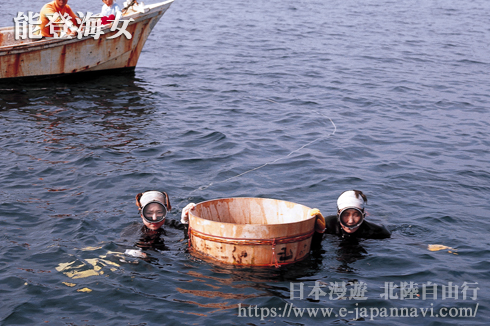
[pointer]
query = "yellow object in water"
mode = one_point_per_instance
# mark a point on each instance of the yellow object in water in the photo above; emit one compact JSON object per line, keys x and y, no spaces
{"x":437,"y":247}
{"x":87,"y":290}
{"x":88,"y":267}
{"x":69,"y":284}
{"x":77,"y":271}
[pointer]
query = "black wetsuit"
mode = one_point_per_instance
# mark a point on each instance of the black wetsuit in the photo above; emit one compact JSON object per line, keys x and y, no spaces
{"x":145,"y":238}
{"x":367,"y":230}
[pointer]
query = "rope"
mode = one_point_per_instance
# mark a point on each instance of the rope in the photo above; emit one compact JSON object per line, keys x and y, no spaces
{"x":268,"y":163}
{"x":250,"y":241}
{"x":246,"y":241}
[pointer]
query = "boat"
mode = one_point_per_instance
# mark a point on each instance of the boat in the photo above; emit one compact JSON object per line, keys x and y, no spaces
{"x":53,"y":57}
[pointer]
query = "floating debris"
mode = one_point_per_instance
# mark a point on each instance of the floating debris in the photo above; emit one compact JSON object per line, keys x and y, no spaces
{"x":438,"y":247}
{"x":81,"y":268}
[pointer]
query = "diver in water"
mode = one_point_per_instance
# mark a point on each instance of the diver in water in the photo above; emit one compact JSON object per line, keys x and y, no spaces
{"x":153,"y":207}
{"x":349,"y":223}
{"x":350,"y":219}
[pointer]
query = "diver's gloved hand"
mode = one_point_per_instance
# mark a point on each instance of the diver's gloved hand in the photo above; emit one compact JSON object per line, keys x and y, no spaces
{"x":184,"y":218}
{"x":320,"y":225}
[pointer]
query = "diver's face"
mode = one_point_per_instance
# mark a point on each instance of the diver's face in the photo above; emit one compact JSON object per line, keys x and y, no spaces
{"x":350,"y":217}
{"x":153,"y":212}
{"x":61,"y":3}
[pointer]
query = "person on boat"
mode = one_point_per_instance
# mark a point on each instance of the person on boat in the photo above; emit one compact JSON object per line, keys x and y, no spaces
{"x":110,"y":10}
{"x":57,"y":6}
{"x":152,"y":207}
{"x":350,"y":219}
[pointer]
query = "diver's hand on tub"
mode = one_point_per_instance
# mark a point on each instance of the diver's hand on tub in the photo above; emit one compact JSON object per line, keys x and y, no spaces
{"x":184,"y":218}
{"x":320,"y":220}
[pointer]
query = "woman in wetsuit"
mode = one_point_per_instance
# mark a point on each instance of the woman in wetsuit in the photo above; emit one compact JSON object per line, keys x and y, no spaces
{"x":153,"y":207}
{"x":350,"y":223}
{"x":350,"y":219}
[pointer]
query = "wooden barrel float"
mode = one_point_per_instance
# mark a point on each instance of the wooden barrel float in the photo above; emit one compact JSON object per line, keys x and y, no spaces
{"x":251,"y":231}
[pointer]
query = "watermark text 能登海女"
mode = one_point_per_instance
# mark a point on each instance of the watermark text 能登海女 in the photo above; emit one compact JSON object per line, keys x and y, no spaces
{"x":61,"y":26}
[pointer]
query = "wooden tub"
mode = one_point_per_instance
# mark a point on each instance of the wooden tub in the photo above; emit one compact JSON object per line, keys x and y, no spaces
{"x":251,"y":231}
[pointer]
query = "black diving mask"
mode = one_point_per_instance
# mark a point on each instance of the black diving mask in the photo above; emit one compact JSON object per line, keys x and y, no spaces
{"x":154,"y":212}
{"x":346,"y":215}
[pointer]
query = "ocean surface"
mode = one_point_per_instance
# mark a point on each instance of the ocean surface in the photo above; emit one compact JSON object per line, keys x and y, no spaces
{"x":292,"y":100}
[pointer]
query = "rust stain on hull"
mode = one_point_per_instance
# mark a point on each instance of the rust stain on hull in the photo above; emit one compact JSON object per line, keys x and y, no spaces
{"x":16,"y":64}
{"x":62,"y":58}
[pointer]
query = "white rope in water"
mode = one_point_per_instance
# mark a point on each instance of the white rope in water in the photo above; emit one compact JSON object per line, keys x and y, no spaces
{"x":268,"y":163}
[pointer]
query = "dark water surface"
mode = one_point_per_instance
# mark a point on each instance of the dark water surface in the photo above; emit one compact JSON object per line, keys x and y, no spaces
{"x":223,"y":87}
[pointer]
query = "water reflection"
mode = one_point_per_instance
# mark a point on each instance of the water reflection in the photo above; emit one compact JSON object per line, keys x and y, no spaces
{"x":70,"y":114}
{"x":61,"y":92}
{"x":219,"y":285}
